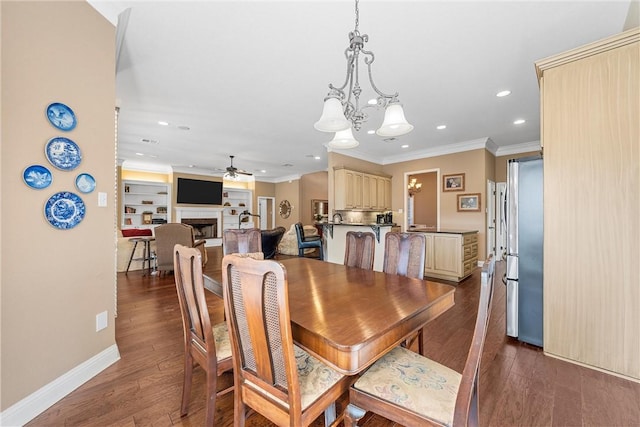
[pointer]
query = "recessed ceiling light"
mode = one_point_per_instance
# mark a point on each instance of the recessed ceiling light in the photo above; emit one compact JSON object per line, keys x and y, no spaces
{"x":405,"y":146}
{"x":372,"y":101}
{"x":162,"y":123}
{"x":192,"y":166}
{"x":263,"y":170}
{"x":139,"y":154}
{"x":371,"y":132}
{"x":440,"y":127}
{"x":503,"y":93}
{"x":317,"y":157}
{"x":519,"y":121}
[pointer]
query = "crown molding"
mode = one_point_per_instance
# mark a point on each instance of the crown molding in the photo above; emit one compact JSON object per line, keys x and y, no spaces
{"x":525,"y":147}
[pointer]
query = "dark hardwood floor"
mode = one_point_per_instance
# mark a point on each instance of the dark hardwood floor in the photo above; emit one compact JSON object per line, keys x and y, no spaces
{"x":519,"y":385}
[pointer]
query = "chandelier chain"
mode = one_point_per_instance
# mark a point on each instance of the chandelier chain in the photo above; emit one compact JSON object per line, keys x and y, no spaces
{"x":357,"y":16}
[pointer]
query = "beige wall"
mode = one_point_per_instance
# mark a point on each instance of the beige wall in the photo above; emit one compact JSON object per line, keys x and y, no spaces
{"x":312,"y":186}
{"x":288,"y":190}
{"x":472,"y":164}
{"x":54,"y":282}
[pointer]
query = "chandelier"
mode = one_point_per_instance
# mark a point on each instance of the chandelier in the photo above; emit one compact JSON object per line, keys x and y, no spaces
{"x":414,"y":187}
{"x":343,"y":112}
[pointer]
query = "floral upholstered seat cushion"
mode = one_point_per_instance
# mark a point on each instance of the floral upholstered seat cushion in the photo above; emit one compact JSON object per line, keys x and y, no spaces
{"x":414,"y":382}
{"x":314,"y":376}
{"x":221,"y":337}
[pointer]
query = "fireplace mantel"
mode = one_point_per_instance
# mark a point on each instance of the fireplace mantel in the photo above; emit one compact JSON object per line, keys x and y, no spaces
{"x":198,"y":212}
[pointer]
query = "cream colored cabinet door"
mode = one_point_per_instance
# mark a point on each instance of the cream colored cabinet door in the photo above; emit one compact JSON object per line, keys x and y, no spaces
{"x":373,"y":190}
{"x":428,"y":260}
{"x":366,"y":191}
{"x":447,"y":255}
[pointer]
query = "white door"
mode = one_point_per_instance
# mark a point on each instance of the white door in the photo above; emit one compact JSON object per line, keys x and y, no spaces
{"x":267,"y":212}
{"x":491,"y":218}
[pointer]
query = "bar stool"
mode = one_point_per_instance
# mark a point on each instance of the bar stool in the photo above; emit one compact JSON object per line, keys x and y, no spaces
{"x":146,"y":252}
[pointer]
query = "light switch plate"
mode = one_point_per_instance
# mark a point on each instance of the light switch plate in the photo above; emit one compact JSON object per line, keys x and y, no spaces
{"x":101,"y":321}
{"x":102,"y":199}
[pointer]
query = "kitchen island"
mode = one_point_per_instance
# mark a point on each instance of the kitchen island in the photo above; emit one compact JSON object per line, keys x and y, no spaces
{"x":451,"y":254}
{"x":335,"y":237}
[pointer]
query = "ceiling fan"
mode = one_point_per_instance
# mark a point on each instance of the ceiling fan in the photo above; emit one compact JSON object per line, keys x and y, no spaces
{"x":233,"y":172}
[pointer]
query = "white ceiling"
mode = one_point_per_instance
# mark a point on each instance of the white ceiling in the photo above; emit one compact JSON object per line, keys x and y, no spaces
{"x":249,"y":77}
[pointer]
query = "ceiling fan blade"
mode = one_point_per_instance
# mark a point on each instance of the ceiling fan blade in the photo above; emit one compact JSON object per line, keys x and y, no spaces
{"x":241,"y":172}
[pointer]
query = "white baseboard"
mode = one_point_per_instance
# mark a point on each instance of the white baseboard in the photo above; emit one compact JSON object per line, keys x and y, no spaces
{"x":33,"y":405}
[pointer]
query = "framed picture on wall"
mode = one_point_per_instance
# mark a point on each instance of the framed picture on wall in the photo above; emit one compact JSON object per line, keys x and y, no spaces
{"x":454,"y":182}
{"x":469,"y":202}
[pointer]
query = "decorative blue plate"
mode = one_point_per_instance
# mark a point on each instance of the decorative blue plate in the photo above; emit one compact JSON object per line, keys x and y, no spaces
{"x":61,"y":116}
{"x":85,"y":183}
{"x":64,"y":210}
{"x":36,"y":176}
{"x":63,"y":153}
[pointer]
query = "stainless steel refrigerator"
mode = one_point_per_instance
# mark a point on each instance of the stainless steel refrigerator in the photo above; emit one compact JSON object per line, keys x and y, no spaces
{"x":523,"y":275}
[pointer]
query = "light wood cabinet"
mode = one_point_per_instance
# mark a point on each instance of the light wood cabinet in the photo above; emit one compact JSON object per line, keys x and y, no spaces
{"x":145,"y":204}
{"x":360,"y":190}
{"x":590,"y":130}
{"x":451,"y":256}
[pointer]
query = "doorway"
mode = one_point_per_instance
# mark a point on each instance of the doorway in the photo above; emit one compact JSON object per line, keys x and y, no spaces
{"x":267,"y":212}
{"x":422,"y":207}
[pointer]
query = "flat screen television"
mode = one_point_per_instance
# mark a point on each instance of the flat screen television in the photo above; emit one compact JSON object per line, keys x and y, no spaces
{"x":199,"y":192}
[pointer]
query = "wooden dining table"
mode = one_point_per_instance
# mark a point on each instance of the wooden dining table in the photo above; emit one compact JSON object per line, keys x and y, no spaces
{"x":350,"y":317}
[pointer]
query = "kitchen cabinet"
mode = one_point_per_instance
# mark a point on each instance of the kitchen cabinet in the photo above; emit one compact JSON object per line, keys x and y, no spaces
{"x":145,"y":204}
{"x":590,"y":133}
{"x":360,"y":190}
{"x":451,"y":255}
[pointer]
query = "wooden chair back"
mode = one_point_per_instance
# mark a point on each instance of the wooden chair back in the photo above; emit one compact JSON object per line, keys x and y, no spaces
{"x":264,"y":356}
{"x":467,"y":410}
{"x":404,"y":254}
{"x":360,"y":249}
{"x":171,"y":234}
{"x":241,"y":241}
{"x":198,"y":333}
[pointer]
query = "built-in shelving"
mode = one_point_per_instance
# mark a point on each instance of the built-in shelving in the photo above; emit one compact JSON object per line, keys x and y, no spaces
{"x":235,"y":201}
{"x":145,"y":204}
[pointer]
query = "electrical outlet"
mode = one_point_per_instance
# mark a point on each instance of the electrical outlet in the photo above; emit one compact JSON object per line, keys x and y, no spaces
{"x":101,"y":321}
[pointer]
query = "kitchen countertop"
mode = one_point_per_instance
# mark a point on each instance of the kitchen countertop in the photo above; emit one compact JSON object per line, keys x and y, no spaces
{"x":369,"y":224}
{"x":440,"y":230}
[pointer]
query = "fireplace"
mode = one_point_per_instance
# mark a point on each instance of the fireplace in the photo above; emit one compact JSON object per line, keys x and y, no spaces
{"x":203,"y":228}
{"x":206,"y":222}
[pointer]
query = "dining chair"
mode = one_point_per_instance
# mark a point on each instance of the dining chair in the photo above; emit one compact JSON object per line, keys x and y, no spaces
{"x":204,"y":344}
{"x":273,"y":376}
{"x":412,"y":390}
{"x":240,"y":241}
{"x":171,"y":234}
{"x":306,"y":242}
{"x":359,"y":250}
{"x":404,"y":254}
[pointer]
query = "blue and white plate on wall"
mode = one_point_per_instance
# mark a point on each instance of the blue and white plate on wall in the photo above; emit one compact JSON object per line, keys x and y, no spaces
{"x":64,"y":210}
{"x":63,"y":153}
{"x":85,"y":183}
{"x":61,"y":116}
{"x":37,"y":176}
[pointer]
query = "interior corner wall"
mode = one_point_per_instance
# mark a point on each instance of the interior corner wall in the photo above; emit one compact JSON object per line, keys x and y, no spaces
{"x":54,"y":282}
{"x":313,"y":186}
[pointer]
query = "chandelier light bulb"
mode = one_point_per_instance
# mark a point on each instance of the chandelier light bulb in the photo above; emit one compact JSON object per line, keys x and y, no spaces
{"x":395,"y":124}
{"x":332,"y":119}
{"x":343,"y":140}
